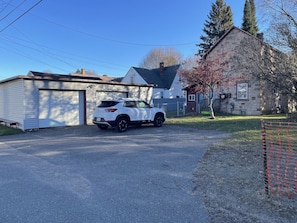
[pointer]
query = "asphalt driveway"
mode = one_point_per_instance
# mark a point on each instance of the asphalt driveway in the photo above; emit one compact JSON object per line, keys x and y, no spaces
{"x":83,"y":174}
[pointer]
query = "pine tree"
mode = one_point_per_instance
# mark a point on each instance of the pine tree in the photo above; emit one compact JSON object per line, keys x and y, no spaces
{"x":220,"y":19}
{"x":249,"y":23}
{"x":255,"y":28}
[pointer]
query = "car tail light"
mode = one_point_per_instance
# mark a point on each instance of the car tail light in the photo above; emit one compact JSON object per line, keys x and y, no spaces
{"x":111,"y":109}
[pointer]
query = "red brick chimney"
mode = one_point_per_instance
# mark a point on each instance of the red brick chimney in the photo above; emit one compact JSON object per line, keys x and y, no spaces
{"x":161,"y":67}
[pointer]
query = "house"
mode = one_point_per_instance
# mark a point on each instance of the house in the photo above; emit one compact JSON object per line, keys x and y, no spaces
{"x":165,"y":80}
{"x":41,"y":100}
{"x":194,"y":99}
{"x":167,"y":93}
{"x":245,"y":94}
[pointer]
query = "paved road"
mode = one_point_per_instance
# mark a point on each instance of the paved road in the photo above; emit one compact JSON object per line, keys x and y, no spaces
{"x":83,"y":174}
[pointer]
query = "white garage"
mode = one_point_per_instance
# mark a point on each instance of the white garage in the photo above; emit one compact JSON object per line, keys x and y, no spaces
{"x":42,"y":100}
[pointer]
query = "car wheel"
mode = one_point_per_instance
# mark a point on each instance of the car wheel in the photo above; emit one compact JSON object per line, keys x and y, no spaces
{"x":102,"y":127}
{"x":122,"y":124}
{"x":158,"y":121}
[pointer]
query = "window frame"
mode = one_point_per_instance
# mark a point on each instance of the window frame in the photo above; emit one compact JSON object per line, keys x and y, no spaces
{"x":242,"y":91}
{"x":191,"y":97}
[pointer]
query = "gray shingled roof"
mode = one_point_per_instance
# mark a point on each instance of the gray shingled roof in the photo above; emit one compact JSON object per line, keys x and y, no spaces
{"x":159,"y":80}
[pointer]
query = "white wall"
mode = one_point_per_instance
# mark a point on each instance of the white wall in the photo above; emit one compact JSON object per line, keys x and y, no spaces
{"x":132,"y":77}
{"x":12,"y":101}
{"x":91,"y":89}
{"x":19,"y":97}
{"x":175,"y":90}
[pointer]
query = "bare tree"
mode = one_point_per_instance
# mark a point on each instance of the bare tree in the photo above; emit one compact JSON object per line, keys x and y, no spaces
{"x":169,"y":56}
{"x":207,"y":76}
{"x":275,"y":70}
{"x":281,"y":17}
{"x":273,"y":62}
{"x":190,"y":62}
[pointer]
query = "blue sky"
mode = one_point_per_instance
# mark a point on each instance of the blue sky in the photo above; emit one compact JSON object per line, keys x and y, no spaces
{"x":105,"y":37}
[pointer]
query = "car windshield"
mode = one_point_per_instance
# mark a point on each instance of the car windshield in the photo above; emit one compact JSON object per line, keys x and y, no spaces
{"x":105,"y":104}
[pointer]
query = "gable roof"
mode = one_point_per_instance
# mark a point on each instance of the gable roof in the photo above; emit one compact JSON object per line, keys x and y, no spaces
{"x":159,"y":79}
{"x":226,"y":34}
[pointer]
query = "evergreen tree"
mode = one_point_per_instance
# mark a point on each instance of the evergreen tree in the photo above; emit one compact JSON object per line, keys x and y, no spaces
{"x":220,"y":19}
{"x":249,"y":23}
{"x":255,"y":28}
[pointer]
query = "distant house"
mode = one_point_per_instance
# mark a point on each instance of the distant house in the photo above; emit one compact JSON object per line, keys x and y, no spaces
{"x":42,"y":100}
{"x":165,"y":80}
{"x":195,"y":100}
{"x":167,"y":93}
{"x":246,"y":95}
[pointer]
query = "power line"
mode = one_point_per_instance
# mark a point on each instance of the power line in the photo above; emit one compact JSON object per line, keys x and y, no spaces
{"x":48,"y":51}
{"x":110,"y":39}
{"x":13,"y":10}
{"x":6,"y":6}
{"x":21,"y":15}
{"x":54,"y":56}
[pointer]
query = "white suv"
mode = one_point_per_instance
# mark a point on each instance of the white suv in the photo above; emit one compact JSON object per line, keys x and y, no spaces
{"x":124,"y":112}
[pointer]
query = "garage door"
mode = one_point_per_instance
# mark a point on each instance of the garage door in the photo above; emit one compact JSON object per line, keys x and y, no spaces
{"x":61,"y":108}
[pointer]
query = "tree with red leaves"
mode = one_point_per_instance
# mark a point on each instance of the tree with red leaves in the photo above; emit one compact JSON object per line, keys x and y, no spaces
{"x":208,"y":76}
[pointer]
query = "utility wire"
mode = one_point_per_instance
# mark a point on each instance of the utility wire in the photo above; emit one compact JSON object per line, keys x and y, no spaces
{"x":21,"y":15}
{"x":109,"y":39}
{"x":13,"y":10}
{"x":7,"y":4}
{"x":49,"y":51}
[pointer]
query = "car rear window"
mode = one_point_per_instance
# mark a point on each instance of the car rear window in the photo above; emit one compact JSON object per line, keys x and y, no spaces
{"x":105,"y":104}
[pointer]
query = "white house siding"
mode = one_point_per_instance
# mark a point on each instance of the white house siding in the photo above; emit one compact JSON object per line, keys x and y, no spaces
{"x":12,"y":101}
{"x":31,"y":104}
{"x":176,"y":88}
{"x":132,"y":77}
{"x":175,"y":91}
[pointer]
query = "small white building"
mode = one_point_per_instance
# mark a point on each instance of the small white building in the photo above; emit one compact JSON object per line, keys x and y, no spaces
{"x":42,"y":100}
{"x":165,"y":80}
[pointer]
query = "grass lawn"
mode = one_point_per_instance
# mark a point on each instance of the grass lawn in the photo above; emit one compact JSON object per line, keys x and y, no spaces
{"x":4,"y":130}
{"x":243,"y":128}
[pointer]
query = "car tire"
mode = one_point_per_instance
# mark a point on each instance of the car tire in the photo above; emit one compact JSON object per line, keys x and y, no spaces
{"x":103,"y":127}
{"x":158,"y":121}
{"x":122,"y":124}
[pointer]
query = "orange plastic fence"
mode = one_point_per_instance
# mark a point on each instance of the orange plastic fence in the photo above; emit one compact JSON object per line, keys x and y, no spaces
{"x":279,"y":143}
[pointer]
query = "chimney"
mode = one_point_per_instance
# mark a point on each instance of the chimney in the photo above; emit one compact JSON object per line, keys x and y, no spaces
{"x":83,"y":71}
{"x":161,"y":67}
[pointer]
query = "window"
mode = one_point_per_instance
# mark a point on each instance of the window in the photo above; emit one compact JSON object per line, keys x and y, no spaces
{"x":106,"y":104}
{"x":191,"y":97}
{"x":242,"y":91}
{"x":130,"y":104}
{"x":142,"y":104}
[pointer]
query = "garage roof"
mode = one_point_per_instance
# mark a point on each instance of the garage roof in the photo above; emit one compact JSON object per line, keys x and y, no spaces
{"x":34,"y":75}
